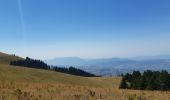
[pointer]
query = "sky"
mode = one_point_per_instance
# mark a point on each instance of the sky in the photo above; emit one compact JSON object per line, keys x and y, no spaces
{"x":46,"y":29}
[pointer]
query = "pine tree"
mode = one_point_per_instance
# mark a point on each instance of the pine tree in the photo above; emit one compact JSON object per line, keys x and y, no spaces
{"x":164,"y":78}
{"x":123,"y":84}
{"x":142,"y":85}
{"x":136,"y":76}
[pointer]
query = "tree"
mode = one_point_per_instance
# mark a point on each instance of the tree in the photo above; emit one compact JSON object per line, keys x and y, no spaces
{"x":164,"y":80}
{"x":149,"y":80}
{"x":32,"y":63}
{"x":151,"y":84}
{"x":136,"y":76}
{"x":123,"y":84}
{"x":142,"y":84}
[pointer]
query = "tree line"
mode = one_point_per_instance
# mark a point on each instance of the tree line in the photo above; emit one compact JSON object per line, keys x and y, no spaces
{"x":73,"y":71}
{"x":148,"y":80}
{"x":32,"y":63}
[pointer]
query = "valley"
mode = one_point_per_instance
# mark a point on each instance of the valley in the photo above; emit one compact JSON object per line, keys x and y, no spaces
{"x":17,"y":83}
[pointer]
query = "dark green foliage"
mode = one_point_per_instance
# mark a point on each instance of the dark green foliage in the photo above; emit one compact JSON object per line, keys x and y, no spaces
{"x":123,"y":84}
{"x":149,"y":80}
{"x":31,"y":63}
{"x":164,"y":80}
{"x":128,"y":77}
{"x":142,"y":84}
{"x":125,"y":80}
{"x":74,"y":71}
{"x":135,"y":81}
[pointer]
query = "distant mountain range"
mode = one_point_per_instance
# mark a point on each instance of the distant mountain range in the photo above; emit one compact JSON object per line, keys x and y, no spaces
{"x":66,"y":61}
{"x":151,"y":57}
{"x":114,"y":66}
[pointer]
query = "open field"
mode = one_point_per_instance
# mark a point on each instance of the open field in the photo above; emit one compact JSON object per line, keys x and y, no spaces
{"x":22,"y":74}
{"x":35,"y":84}
{"x":5,"y":58}
{"x":20,"y":83}
{"x":50,"y":91}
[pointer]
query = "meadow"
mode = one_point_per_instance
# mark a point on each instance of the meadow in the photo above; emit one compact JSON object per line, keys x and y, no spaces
{"x":19,"y":83}
{"x":34,"y":84}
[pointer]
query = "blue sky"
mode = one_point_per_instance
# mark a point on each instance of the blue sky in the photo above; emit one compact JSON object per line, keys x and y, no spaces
{"x":85,"y":28}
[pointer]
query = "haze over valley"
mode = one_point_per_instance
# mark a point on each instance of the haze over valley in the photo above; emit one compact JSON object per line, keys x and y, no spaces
{"x":114,"y":66}
{"x":84,"y":49}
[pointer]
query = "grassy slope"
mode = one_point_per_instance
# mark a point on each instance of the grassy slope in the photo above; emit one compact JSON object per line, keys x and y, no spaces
{"x":5,"y":58}
{"x":17,"y":83}
{"x":13,"y":73}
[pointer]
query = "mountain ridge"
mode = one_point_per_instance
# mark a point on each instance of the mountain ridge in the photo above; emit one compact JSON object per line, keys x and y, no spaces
{"x":116,"y":66}
{"x":7,"y":58}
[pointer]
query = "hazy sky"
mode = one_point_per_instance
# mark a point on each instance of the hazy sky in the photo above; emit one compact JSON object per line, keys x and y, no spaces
{"x":85,"y":28}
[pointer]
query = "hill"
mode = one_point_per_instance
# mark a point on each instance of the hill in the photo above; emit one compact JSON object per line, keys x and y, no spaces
{"x":115,"y":66}
{"x":38,"y":64}
{"x":16,"y":73}
{"x":20,"y":83}
{"x":6,"y":58}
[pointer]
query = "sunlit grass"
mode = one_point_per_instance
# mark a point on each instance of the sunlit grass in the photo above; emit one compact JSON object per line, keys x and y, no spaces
{"x":6,"y":59}
{"x":18,"y":83}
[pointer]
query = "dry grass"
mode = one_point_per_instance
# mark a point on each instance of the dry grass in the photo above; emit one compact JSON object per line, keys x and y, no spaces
{"x":18,"y":83}
{"x":50,"y":91}
{"x":21,"y":74}
{"x":6,"y":59}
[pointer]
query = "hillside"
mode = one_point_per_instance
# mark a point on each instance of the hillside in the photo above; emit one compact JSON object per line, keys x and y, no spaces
{"x":6,"y":58}
{"x":14,"y":73}
{"x":20,"y":83}
{"x":17,"y":83}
